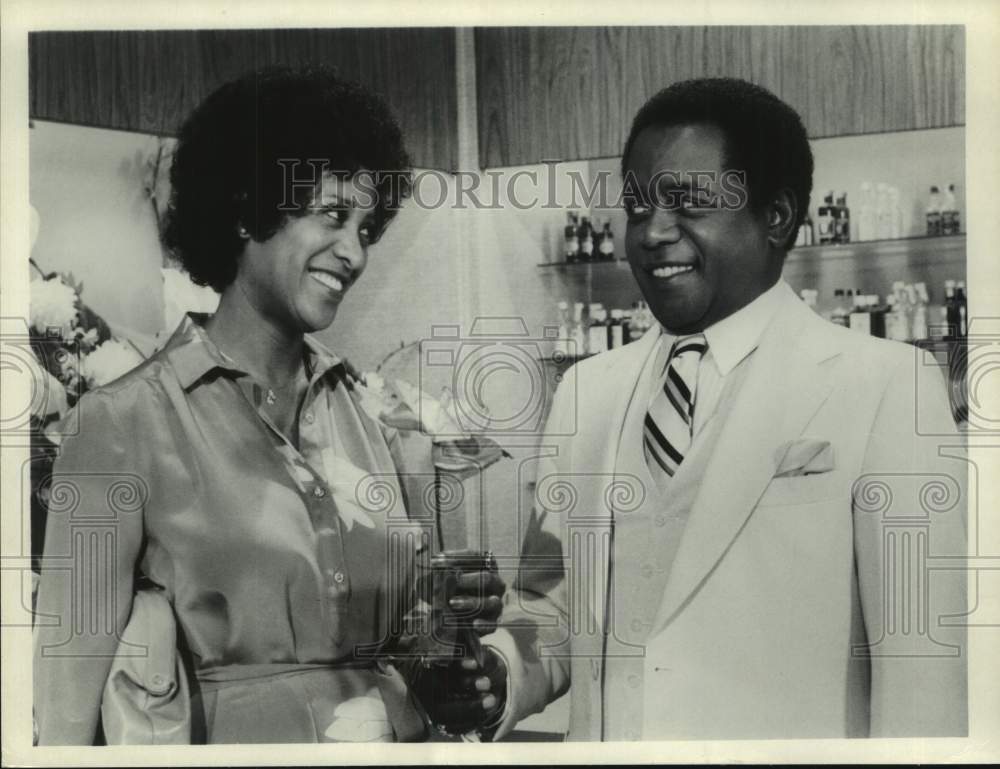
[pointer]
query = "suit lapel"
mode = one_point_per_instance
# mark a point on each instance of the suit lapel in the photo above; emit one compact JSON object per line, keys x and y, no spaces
{"x":782,"y":391}
{"x":620,"y":373}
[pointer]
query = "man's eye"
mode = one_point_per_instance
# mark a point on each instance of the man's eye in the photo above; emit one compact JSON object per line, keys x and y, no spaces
{"x":636,"y":210}
{"x":697,"y":202}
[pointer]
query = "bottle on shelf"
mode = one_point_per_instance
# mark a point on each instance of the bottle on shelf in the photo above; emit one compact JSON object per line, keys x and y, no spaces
{"x":616,"y":329}
{"x":639,"y":322}
{"x":896,"y":327}
{"x":627,"y":326}
{"x":949,"y":212}
{"x":571,"y":247}
{"x":607,"y":246}
{"x":963,"y":309}
{"x":842,"y":220}
{"x":805,"y":235}
{"x":839,"y":313}
{"x":860,"y":319}
{"x":866,"y":213}
{"x":877,"y":312}
{"x":895,"y":214}
{"x":918,"y":324}
{"x":563,"y":335}
{"x":597,"y":331}
{"x":932,"y":212}
{"x":585,"y":234}
{"x":825,"y":220}
{"x":883,"y":212}
{"x":904,"y":310}
{"x":949,"y":310}
{"x":578,"y":336}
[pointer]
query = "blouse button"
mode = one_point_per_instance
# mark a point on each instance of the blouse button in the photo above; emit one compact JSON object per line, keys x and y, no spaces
{"x":338,"y":577}
{"x":309,"y":417}
{"x":319,"y":492}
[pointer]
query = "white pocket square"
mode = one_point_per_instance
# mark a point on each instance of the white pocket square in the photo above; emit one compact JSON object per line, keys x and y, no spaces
{"x":804,"y":456}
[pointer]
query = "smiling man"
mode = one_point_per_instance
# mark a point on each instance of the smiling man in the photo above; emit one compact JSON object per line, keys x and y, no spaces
{"x":748,"y":583}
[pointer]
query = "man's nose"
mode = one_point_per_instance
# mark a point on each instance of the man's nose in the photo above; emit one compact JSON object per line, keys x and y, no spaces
{"x":661,"y":228}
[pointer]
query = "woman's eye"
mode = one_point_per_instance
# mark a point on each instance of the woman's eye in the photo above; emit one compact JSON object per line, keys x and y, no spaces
{"x":339,"y":215}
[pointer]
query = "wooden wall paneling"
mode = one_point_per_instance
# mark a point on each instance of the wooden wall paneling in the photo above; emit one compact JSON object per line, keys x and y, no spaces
{"x":571,"y":92}
{"x":149,"y":81}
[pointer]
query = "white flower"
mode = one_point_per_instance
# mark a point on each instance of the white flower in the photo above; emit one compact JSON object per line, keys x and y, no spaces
{"x":401,"y":405}
{"x":53,"y":305}
{"x":108,"y":362}
{"x":360,"y":719}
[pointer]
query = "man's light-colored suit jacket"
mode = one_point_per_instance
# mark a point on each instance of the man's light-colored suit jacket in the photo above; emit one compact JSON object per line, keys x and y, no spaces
{"x":800,"y":577}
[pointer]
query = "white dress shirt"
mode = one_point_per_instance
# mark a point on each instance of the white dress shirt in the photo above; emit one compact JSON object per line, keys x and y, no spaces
{"x":730,"y":341}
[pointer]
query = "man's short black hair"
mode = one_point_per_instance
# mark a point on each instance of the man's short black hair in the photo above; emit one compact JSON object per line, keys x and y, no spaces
{"x":764,"y":136}
{"x":226,"y":171}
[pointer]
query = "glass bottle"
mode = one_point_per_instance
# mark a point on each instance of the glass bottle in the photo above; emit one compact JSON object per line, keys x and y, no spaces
{"x":571,"y":243}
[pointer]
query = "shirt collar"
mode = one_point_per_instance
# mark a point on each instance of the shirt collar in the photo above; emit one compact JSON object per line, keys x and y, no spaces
{"x":193,"y":354}
{"x":733,"y":338}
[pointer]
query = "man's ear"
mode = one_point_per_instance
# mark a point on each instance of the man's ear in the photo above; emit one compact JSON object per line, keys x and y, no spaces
{"x":782,"y":214}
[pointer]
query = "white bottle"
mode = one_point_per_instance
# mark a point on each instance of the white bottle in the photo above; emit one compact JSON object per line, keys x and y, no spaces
{"x":895,"y":214}
{"x":933,"y":212}
{"x":883,"y":217}
{"x":919,"y":325}
{"x":562,"y":338}
{"x":579,"y":336}
{"x":860,"y":318}
{"x":866,"y":213}
{"x":597,"y":340}
{"x":895,"y":320}
{"x":949,"y":212}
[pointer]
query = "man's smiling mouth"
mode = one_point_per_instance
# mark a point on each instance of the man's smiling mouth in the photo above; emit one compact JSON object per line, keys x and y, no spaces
{"x":670,"y":271}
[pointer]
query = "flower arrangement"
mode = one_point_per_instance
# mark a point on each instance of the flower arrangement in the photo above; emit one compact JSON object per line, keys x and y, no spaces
{"x":75,"y":352}
{"x":73,"y":345}
{"x":397,"y":403}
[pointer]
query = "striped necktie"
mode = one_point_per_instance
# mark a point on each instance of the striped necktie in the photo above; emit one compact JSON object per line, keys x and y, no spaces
{"x":669,"y":422}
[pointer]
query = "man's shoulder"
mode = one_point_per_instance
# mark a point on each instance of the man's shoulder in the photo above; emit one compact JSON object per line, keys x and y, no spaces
{"x":822,"y":339}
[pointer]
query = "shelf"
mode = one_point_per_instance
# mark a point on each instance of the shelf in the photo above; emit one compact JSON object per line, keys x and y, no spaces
{"x":618,"y":264}
{"x":919,"y":245}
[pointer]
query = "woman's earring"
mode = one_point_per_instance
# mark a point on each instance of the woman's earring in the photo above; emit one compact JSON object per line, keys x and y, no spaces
{"x":242,"y":232}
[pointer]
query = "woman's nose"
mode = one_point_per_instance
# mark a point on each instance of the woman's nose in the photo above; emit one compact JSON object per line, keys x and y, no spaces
{"x":348,"y":248}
